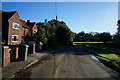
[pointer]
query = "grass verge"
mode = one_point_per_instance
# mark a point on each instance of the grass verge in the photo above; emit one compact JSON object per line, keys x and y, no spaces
{"x":111,"y":60}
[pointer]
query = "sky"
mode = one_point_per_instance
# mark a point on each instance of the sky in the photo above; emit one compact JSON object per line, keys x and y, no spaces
{"x":79,"y":16}
{"x":60,"y":0}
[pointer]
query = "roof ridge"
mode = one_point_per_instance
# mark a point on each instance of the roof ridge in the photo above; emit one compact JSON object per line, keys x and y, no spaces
{"x":23,"y":20}
{"x":7,"y":15}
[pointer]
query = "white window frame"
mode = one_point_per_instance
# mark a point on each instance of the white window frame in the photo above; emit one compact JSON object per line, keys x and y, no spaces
{"x":15,"y":24}
{"x":13,"y":36}
{"x":34,"y":31}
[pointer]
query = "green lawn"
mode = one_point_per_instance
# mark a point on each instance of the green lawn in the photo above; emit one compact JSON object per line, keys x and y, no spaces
{"x":111,"y":56}
{"x":105,"y":49}
{"x":77,"y":43}
{"x":109,"y":59}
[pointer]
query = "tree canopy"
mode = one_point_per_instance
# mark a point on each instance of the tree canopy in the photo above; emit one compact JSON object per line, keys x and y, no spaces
{"x":54,"y":33}
{"x":93,"y":36}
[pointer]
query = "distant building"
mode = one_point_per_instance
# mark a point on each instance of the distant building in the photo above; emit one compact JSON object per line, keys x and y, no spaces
{"x":33,"y":29}
{"x":25,"y":27}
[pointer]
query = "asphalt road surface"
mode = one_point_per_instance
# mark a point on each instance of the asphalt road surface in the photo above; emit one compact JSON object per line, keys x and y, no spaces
{"x":72,"y":62}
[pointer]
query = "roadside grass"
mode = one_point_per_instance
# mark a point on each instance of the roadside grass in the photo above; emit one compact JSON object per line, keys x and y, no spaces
{"x":77,"y":43}
{"x":106,"y":49}
{"x":105,"y":56}
{"x":111,"y":56}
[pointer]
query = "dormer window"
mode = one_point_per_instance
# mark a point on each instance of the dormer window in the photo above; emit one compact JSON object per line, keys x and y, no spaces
{"x":15,"y":25}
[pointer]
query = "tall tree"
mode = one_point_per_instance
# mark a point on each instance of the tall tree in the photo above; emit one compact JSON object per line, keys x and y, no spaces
{"x":116,"y":37}
{"x":64,"y":34}
{"x":118,"y":29}
{"x":105,"y":36}
{"x":54,"y":33}
{"x":97,"y":37}
{"x":41,"y":35}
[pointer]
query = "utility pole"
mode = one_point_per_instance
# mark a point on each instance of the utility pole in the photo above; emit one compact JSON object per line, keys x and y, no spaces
{"x":54,"y":52}
{"x":56,"y":17}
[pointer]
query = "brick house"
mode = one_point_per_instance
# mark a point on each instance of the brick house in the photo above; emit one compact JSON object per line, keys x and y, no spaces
{"x":33,"y":28}
{"x":12,"y":29}
{"x":12,"y":32}
{"x":25,"y":28}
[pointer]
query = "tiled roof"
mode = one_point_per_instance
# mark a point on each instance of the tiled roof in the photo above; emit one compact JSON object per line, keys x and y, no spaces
{"x":7,"y":15}
{"x":31,"y":24}
{"x":24,"y":24}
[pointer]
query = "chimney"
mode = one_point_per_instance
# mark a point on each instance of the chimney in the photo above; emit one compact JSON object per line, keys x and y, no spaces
{"x":56,"y":18}
{"x":45,"y":21}
{"x":28,"y":21}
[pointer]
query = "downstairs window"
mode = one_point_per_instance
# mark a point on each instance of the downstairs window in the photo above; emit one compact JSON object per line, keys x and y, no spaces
{"x":14,"y":38}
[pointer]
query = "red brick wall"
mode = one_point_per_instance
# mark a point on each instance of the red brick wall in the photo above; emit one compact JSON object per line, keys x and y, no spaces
{"x":15,"y":18}
{"x":35,"y":27}
{"x":6,"y":56}
{"x":26,"y":31}
{"x":16,"y":52}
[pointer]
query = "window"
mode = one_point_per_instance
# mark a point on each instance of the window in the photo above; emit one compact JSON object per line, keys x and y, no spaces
{"x":15,"y":25}
{"x":14,"y":38}
{"x":34,"y":31}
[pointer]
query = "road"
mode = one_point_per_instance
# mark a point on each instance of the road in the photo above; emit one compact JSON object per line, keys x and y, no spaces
{"x":72,"y":62}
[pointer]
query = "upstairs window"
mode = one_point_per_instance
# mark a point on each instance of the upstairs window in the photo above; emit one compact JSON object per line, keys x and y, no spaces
{"x":14,"y":38}
{"x":15,"y":25}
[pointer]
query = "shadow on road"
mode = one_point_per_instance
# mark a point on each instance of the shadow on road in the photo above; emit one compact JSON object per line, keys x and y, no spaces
{"x":73,"y":50}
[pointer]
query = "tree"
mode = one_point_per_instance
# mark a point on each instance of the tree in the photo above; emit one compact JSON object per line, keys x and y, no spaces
{"x":116,"y":36}
{"x":41,"y":36}
{"x":88,"y":37}
{"x":64,"y":34}
{"x":79,"y":37}
{"x":118,"y":29}
{"x":92,"y":36}
{"x":96,"y":37}
{"x":105,"y":36}
{"x":50,"y":33}
{"x":54,"y":33}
